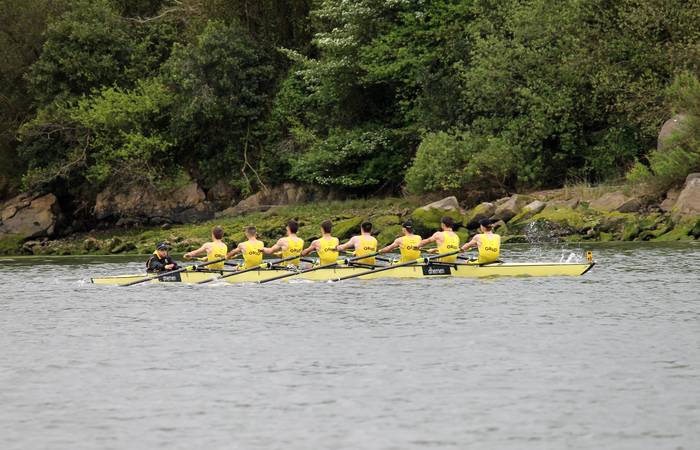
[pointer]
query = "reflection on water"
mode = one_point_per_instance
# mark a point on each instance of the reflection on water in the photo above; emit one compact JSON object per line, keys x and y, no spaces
{"x":608,"y":360}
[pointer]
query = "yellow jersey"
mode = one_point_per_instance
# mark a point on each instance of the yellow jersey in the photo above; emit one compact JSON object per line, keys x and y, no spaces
{"x":450,"y":243}
{"x":327,"y":253}
{"x":252,"y":254}
{"x":294,"y":247}
{"x":366,"y":246}
{"x":409,"y":248}
{"x":489,"y":248}
{"x":217,"y":250}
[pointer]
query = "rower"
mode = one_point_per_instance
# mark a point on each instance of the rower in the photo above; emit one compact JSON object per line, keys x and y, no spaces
{"x":291,"y":245}
{"x":252,"y":249}
{"x":446,"y":240}
{"x":363,"y":244}
{"x":325,"y":246}
{"x":407,"y":244}
{"x":160,"y":260}
{"x":488,"y":243}
{"x":216,"y":249}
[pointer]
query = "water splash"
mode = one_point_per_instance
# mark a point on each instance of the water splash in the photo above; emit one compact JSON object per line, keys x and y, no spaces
{"x":540,"y":232}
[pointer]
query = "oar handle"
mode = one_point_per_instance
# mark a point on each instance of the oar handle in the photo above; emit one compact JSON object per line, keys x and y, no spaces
{"x":324,"y":266}
{"x":264,"y":265}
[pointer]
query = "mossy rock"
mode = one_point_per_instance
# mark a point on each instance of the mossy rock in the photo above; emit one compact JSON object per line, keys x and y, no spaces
{"x":615,"y":222}
{"x":388,"y":235}
{"x":682,"y":232}
{"x":567,"y":220}
{"x":514,"y":239}
{"x":648,"y":235}
{"x":427,"y":221}
{"x":464,"y":236}
{"x":605,"y":237}
{"x":480,"y":211}
{"x":695,"y":231}
{"x":345,"y":229}
{"x":379,"y":222}
{"x":11,"y":244}
{"x":630,"y":231}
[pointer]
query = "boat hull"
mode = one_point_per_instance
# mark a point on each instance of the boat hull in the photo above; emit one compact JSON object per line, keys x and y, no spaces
{"x":417,"y":271}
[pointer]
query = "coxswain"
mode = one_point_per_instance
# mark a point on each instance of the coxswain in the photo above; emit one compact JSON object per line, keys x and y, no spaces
{"x":326,"y":247}
{"x":288,"y":246}
{"x":363,"y":244}
{"x":251,"y":249}
{"x":407,"y":244}
{"x":446,"y":240}
{"x":160,"y":260}
{"x":488,"y":243}
{"x":216,"y":249}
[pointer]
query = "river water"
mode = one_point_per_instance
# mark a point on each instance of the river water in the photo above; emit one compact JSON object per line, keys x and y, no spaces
{"x":607,"y":360}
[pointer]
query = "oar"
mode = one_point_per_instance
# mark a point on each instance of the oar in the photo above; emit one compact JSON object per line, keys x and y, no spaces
{"x":264,"y":265}
{"x":324,"y":266}
{"x":426,"y":259}
{"x":165,"y":274}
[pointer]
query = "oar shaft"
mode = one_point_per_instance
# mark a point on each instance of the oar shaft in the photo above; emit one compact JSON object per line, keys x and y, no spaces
{"x":395,"y":266}
{"x":165,"y":274}
{"x":250,"y":269}
{"x":324,"y":266}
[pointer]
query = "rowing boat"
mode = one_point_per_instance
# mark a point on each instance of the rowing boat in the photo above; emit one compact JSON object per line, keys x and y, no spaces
{"x":433,"y":270}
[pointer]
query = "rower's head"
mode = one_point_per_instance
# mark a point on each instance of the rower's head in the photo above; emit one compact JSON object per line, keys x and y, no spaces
{"x":217,"y":233}
{"x":292,"y":227}
{"x":407,"y":227}
{"x":162,"y":249}
{"x":486,"y":225}
{"x":447,"y":223}
{"x":326,"y":227}
{"x":251,"y":232}
{"x":366,"y":227}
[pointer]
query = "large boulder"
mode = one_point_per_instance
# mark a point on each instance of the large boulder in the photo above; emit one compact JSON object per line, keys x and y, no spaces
{"x":670,"y":201}
{"x":669,"y":129}
{"x":426,"y":219}
{"x":616,"y":201}
{"x":688,"y":203}
{"x":529,"y":210}
{"x":221,"y":194}
{"x":284,"y":194}
{"x":510,"y":207}
{"x":137,"y":205}
{"x":30,"y":216}
{"x":481,"y":211}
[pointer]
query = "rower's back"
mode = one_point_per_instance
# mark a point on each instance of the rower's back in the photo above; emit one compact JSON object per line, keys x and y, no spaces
{"x":327,"y":250}
{"x":489,"y":248}
{"x":252,"y":249}
{"x":217,"y":249}
{"x":294,"y":246}
{"x":366,"y":244}
{"x":449,"y":242}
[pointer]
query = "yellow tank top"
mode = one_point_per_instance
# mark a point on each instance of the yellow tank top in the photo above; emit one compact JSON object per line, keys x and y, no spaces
{"x":409,"y":248}
{"x":327,"y":254}
{"x":490,"y":248}
{"x":294,"y":248}
{"x":450,"y":243}
{"x":253,"y":254}
{"x":367,"y":245}
{"x":218,"y":251}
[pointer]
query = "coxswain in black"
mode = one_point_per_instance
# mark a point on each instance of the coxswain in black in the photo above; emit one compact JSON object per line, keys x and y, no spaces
{"x":160,"y":260}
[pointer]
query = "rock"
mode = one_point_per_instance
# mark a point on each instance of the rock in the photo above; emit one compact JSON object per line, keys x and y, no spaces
{"x":345,"y":229}
{"x":136,"y":205}
{"x":221,"y":194}
{"x":688,"y":203}
{"x":669,"y":128}
{"x":616,"y":201}
{"x":166,"y":226}
{"x":91,"y":244}
{"x":510,"y":208}
{"x":446,"y":204}
{"x":480,"y":211}
{"x":695,"y":231}
{"x":31,"y":216}
{"x":389,"y":234}
{"x":670,"y":200}
{"x":285,"y":194}
{"x":528,"y":211}
{"x":571,"y":203}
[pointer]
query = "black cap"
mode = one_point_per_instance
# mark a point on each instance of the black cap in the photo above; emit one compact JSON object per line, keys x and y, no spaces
{"x":408,"y":225}
{"x":162,"y":246}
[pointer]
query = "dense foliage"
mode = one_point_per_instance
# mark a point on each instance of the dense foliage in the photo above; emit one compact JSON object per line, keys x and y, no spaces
{"x":362,"y":95}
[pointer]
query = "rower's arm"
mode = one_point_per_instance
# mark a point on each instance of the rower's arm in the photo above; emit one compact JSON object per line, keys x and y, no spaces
{"x":235,"y":251}
{"x":432,"y":239}
{"x":393,"y":246}
{"x":275,"y":248}
{"x":311,"y":248}
{"x":347,"y":245}
{"x":203,"y":250}
{"x":471,"y":244}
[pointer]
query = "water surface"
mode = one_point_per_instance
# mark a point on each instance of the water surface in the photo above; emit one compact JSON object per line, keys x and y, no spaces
{"x":608,"y":360}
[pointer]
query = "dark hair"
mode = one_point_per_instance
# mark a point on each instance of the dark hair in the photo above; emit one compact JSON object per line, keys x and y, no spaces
{"x":327,"y":226}
{"x":251,"y":230}
{"x":487,"y":223}
{"x":448,"y":221}
{"x":408,"y":225}
{"x":293,"y":226}
{"x":217,"y":232}
{"x":366,"y":227}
